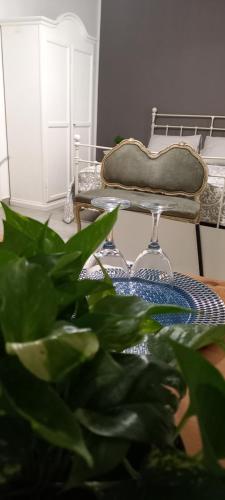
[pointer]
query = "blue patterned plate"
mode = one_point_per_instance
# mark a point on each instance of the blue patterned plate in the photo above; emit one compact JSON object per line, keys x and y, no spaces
{"x":158,"y":293}
{"x":185,"y":292}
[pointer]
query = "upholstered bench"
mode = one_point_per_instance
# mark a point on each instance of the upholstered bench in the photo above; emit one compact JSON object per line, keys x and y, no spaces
{"x":131,"y":171}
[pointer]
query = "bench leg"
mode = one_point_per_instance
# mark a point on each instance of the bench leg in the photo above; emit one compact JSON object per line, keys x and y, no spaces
{"x":199,"y":249}
{"x":77,"y":208}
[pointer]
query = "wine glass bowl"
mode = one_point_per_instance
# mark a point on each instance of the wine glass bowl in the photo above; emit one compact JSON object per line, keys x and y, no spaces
{"x":154,"y":258}
{"x":108,"y":257}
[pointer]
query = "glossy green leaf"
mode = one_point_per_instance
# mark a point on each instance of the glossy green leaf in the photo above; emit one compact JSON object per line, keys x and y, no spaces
{"x":30,"y":227}
{"x":194,"y":336}
{"x":138,"y":422}
{"x":38,"y":403}
{"x":29,"y":303}
{"x":6,"y":256}
{"x":47,"y":261}
{"x":48,"y":240}
{"x":70,"y":291}
{"x":44,"y":238}
{"x":128,"y":400}
{"x":107,"y":454}
{"x":119,"y":306}
{"x":103,"y":381}
{"x":119,"y":322}
{"x":199,"y":375}
{"x":114,"y":333}
{"x":54,"y":356}
{"x":18,"y":242}
{"x":66,"y":265}
{"x":89,"y":239}
{"x":167,"y":309}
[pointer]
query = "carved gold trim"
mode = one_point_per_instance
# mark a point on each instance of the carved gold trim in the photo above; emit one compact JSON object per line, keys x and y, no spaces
{"x":153,"y":156}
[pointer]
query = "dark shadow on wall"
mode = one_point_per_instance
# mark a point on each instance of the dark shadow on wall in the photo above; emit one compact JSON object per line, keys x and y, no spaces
{"x":164,"y":53}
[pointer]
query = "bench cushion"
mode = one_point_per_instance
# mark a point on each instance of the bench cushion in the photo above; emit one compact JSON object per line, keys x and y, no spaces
{"x":186,"y":208}
{"x":176,"y":170}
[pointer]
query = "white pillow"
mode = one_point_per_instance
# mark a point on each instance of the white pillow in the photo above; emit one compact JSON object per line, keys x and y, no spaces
{"x":214,"y":146}
{"x":159,"y":142}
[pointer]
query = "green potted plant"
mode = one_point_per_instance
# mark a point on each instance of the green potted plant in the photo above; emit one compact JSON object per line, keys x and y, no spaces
{"x":79,"y":417}
{"x":118,"y":139}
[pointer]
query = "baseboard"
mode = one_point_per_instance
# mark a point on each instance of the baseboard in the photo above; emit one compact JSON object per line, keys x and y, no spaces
{"x":17,"y":202}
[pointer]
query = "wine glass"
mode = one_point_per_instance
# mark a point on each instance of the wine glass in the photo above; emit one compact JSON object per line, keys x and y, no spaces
{"x":153,"y":258}
{"x":108,"y":256}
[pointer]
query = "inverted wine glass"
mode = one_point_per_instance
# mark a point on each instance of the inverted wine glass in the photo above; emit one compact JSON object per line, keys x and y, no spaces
{"x":153,"y":258}
{"x":108,"y":256}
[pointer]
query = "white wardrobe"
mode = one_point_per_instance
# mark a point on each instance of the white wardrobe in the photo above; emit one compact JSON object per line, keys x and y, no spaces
{"x":50,"y":78}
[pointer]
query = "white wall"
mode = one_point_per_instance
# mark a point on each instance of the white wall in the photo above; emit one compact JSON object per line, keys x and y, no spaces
{"x":87,"y":10}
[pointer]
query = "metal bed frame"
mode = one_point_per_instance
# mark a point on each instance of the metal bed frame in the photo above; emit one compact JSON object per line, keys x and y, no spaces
{"x":211,"y":127}
{"x":157,"y":123}
{"x":211,"y":118}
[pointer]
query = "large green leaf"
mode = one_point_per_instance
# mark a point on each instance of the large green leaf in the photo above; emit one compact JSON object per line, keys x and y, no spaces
{"x":6,"y":256}
{"x":194,"y":336}
{"x":89,"y":239}
{"x":38,"y":403}
{"x":138,"y":422}
{"x":131,"y":400}
{"x":129,"y":307}
{"x":106,"y":454}
{"x":207,"y":400}
{"x":54,"y":356}
{"x":29,"y":302}
{"x":66,"y":265}
{"x":18,"y":242}
{"x":49,"y":241}
{"x":119,"y":322}
{"x":117,"y":333}
{"x":70,"y":291}
{"x":30,"y":230}
{"x":118,"y":382}
{"x":99,"y":379}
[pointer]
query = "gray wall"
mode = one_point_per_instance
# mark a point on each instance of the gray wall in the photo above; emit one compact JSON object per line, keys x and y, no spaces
{"x":164,"y":53}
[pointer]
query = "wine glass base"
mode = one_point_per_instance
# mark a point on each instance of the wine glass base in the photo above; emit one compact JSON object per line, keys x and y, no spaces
{"x":111,"y":260}
{"x":156,"y":262}
{"x":156,"y":275}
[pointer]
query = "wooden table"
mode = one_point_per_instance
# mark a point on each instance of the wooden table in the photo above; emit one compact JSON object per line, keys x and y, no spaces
{"x":214,"y":354}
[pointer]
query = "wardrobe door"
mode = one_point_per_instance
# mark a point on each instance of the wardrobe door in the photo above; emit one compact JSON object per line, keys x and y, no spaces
{"x":82,"y":97}
{"x":4,"y":175}
{"x":55,"y":57}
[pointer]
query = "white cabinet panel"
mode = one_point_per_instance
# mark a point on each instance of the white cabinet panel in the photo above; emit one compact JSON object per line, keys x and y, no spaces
{"x":57,"y":82}
{"x":4,"y":176}
{"x":23,"y":112}
{"x":82,"y":86}
{"x":58,"y":159}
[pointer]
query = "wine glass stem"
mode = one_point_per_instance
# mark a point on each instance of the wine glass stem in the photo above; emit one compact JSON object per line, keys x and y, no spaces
{"x":154,"y":243}
{"x":109,"y":242}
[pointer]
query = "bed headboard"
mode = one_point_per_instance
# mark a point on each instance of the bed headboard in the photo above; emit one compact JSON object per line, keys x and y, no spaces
{"x":168,"y":122}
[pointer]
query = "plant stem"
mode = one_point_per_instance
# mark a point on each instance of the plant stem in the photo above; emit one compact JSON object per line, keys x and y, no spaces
{"x":131,"y":471}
